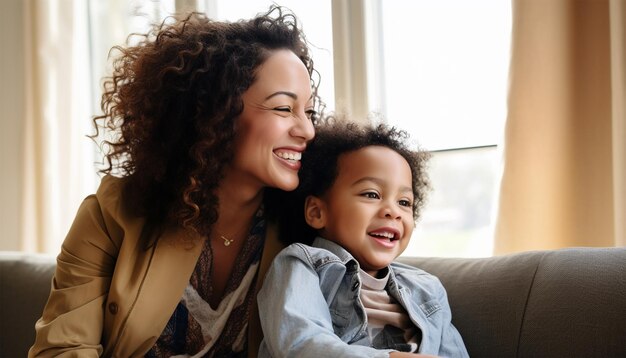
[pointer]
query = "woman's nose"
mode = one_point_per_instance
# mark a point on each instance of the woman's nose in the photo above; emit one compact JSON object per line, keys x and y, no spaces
{"x":303,"y":127}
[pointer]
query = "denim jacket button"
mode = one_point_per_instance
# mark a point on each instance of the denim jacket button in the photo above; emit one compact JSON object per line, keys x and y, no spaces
{"x":355,"y":285}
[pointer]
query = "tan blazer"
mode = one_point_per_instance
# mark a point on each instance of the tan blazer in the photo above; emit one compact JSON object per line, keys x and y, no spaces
{"x":109,"y":296}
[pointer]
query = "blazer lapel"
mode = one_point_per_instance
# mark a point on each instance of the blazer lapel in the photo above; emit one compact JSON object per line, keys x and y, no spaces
{"x":168,"y":273}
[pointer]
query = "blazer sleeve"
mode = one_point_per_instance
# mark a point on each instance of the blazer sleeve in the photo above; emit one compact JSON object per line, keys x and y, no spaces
{"x":72,"y":321}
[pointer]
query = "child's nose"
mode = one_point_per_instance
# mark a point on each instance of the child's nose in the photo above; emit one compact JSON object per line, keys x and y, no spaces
{"x":390,"y":211}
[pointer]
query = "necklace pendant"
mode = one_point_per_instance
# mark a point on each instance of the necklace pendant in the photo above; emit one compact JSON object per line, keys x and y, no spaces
{"x":227,"y":242}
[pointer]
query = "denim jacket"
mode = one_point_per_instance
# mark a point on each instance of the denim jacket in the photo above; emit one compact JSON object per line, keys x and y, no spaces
{"x":310,"y":307}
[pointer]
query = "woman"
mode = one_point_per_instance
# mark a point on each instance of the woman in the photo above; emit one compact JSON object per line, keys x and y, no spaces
{"x":167,"y":257}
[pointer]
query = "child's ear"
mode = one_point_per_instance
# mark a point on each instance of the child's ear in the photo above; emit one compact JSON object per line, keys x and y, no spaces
{"x":314,"y":212}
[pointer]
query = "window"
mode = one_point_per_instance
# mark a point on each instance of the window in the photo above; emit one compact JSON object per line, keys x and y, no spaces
{"x":110,"y":24}
{"x":437,"y":69}
{"x":316,"y":21}
{"x":458,"y":216}
{"x":445,"y":67}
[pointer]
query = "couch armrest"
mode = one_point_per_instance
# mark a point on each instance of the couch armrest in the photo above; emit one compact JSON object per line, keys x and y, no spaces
{"x":24,"y":288}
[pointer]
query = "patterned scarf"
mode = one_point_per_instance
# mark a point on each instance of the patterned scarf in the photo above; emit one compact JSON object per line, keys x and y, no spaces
{"x":195,"y":329}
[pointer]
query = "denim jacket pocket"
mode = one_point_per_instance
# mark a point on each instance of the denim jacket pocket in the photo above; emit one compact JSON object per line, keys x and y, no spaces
{"x":430,"y":307}
{"x":341,"y":320}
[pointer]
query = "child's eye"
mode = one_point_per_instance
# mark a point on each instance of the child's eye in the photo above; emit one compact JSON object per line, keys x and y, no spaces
{"x":405,"y":202}
{"x":371,"y":195}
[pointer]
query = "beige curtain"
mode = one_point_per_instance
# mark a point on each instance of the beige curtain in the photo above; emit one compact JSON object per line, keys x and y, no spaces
{"x":58,"y":162}
{"x":66,"y":49}
{"x":564,"y":179}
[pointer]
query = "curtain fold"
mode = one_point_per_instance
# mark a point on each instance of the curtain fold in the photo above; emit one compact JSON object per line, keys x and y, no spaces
{"x":563,"y":178}
{"x":618,"y":82}
{"x":67,"y":43}
{"x":58,"y":162}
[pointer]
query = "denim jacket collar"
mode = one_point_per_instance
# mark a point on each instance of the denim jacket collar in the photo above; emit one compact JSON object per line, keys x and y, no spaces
{"x":343,"y":255}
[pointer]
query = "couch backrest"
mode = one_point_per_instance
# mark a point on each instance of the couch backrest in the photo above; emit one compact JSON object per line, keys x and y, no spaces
{"x":24,"y":288}
{"x":561,"y":303}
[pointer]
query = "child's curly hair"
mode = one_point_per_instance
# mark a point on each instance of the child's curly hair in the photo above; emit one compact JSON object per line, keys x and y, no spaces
{"x":320,"y":169}
{"x":171,"y":105}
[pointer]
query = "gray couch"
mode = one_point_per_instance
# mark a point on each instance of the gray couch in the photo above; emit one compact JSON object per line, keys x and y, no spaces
{"x":562,"y":303}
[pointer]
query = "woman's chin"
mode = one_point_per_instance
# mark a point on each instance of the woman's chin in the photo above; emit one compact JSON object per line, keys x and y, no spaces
{"x":287,"y":185}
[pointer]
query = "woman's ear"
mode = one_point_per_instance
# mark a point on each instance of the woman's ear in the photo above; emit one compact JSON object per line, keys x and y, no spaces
{"x":315,"y":212}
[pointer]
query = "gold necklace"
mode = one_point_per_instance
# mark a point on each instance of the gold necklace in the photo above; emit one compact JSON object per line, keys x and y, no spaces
{"x":227,"y":242}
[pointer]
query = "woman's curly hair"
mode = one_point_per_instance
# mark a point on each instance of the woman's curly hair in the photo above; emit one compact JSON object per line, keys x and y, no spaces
{"x":320,"y":169}
{"x":171,"y":105}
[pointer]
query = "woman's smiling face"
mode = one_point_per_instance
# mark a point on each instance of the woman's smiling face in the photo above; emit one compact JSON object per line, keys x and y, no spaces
{"x":275,"y":125}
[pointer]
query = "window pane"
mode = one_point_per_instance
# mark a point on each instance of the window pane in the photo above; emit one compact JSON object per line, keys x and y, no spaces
{"x":446,"y":67}
{"x":316,"y":21}
{"x":458,"y":214}
{"x":110,"y":24}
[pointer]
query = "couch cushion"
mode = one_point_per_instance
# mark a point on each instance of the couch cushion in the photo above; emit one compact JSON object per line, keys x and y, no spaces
{"x":24,"y":288}
{"x":487,"y":297}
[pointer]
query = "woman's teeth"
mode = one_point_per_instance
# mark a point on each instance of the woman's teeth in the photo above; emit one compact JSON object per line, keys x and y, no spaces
{"x":290,"y":155}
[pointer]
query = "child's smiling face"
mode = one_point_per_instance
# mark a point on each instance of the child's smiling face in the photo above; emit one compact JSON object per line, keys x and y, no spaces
{"x":368,"y":210}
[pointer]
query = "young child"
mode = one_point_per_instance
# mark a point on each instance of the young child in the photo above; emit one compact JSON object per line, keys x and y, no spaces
{"x":362,"y":189}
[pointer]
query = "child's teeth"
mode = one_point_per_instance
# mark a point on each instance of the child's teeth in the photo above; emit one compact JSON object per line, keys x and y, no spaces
{"x":387,"y":235}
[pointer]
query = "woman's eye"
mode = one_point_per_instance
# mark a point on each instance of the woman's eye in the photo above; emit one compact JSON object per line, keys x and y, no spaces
{"x":283,"y":109}
{"x":311,"y":114}
{"x":405,"y":202}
